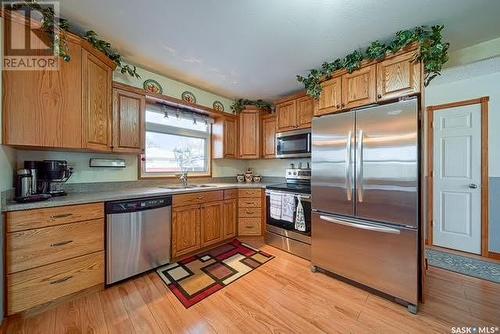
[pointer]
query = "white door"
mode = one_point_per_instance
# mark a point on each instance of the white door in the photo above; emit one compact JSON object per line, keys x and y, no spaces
{"x":457,"y":178}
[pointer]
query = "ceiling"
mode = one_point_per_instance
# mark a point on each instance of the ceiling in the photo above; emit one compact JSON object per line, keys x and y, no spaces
{"x":254,"y":48}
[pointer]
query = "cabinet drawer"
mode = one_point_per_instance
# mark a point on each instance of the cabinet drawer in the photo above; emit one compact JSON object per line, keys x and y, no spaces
{"x":230,"y":193}
{"x":25,"y":220}
{"x":249,"y":203}
{"x":250,"y":212}
{"x":33,"y":287}
{"x":38,"y":247}
{"x":249,"y":193}
{"x":249,"y":226}
{"x":197,"y":198}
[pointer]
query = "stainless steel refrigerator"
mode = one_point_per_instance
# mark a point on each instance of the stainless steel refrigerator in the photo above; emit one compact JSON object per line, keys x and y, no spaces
{"x":365,"y":197}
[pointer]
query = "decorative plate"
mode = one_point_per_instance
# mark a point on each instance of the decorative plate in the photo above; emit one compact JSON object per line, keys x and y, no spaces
{"x":218,"y":106}
{"x":152,"y":86}
{"x":188,"y":97}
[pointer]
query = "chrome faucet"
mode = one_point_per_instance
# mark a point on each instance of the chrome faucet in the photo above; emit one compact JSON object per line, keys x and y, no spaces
{"x":183,"y":179}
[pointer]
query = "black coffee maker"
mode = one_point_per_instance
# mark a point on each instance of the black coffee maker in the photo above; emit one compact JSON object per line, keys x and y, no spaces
{"x":53,"y":175}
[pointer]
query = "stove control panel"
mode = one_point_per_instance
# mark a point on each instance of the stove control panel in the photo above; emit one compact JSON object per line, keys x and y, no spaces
{"x":298,"y":173}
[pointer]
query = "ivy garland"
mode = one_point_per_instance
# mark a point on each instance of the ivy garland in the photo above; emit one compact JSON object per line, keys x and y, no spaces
{"x":240,"y":104}
{"x":433,"y":53}
{"x":51,"y":23}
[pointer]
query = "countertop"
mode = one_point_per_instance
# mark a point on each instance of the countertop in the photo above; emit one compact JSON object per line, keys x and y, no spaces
{"x":128,"y":193}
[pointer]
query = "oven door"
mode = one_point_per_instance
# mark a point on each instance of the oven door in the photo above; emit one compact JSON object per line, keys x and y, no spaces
{"x":288,"y":226}
{"x":293,"y":144}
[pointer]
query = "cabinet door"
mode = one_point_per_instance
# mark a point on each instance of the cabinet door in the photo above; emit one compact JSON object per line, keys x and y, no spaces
{"x":185,"y":230}
{"x":249,"y":134}
{"x":43,"y":108}
{"x":330,"y":99}
{"x":128,"y":121}
{"x":286,"y":116}
{"x":398,"y":76}
{"x":230,"y":138}
{"x":358,"y":87}
{"x":97,"y":78}
{"x":211,"y":223}
{"x":305,"y":109}
{"x":269,"y":137}
{"x":230,"y":218}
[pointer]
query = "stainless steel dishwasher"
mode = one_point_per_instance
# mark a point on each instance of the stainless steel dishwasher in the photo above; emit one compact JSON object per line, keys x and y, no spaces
{"x":138,"y":236}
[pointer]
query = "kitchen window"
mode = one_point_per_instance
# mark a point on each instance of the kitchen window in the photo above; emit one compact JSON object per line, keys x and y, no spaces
{"x":176,"y":141}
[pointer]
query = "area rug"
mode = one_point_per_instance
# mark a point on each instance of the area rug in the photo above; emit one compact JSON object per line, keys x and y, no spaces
{"x":464,"y":265}
{"x":195,"y":278}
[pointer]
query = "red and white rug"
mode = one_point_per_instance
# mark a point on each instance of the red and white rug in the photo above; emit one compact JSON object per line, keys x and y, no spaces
{"x":195,"y":278}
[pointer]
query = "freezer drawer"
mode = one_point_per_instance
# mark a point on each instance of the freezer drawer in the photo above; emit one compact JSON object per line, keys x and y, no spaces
{"x":382,"y":257}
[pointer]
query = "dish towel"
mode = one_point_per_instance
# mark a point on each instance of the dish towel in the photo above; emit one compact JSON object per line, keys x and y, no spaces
{"x":300,"y":221}
{"x":275,"y":206}
{"x":288,"y":208}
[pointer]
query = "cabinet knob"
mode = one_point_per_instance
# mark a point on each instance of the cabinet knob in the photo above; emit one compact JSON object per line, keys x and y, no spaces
{"x":379,"y":96}
{"x":337,"y":106}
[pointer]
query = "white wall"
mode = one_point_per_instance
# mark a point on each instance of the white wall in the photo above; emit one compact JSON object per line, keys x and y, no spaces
{"x":468,"y":82}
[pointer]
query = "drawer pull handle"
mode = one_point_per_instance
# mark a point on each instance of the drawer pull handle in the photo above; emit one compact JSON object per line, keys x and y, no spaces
{"x":62,"y":243}
{"x":200,"y":197}
{"x":65,"y":215}
{"x":64,"y":279}
{"x":249,"y":212}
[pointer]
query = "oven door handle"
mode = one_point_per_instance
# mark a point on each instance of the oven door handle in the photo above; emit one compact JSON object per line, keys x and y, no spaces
{"x":305,"y":198}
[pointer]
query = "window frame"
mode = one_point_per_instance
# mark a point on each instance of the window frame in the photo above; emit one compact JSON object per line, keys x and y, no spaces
{"x":176,"y":131}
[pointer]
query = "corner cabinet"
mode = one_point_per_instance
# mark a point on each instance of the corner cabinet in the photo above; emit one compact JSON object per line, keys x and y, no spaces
{"x":68,"y":108}
{"x":249,"y":120}
{"x":97,"y":78}
{"x":128,"y":121}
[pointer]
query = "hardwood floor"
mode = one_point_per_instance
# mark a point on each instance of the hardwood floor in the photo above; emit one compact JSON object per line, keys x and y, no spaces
{"x":282,"y":296}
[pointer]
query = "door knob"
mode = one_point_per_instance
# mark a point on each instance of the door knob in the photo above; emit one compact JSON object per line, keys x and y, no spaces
{"x":473,"y":186}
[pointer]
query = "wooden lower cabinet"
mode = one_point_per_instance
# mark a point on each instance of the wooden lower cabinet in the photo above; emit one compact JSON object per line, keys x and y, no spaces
{"x":200,"y":225}
{"x":51,"y":253}
{"x":230,"y":218}
{"x":211,"y":224}
{"x":250,"y":212}
{"x":34,"y":287}
{"x":185,"y":230}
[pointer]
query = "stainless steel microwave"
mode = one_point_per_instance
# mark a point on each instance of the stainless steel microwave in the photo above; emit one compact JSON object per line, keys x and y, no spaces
{"x":293,"y":144}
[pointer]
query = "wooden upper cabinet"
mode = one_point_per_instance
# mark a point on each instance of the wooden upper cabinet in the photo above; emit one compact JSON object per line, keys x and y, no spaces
{"x":230,"y":218}
{"x":212,"y":224}
{"x":398,"y":76}
{"x":269,"y":137}
{"x":305,"y":110}
{"x":359,"y":87}
{"x":96,"y":103}
{"x":286,"y":116}
{"x":330,"y":99}
{"x":128,"y":121}
{"x":225,"y":138}
{"x":43,"y":108}
{"x":185,"y":230}
{"x":249,"y":120}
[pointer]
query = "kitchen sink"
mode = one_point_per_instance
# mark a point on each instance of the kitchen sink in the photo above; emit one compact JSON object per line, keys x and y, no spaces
{"x":189,"y":186}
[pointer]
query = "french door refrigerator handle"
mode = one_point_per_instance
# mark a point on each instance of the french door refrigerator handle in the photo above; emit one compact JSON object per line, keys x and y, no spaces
{"x":369,"y":227}
{"x":359,"y":167}
{"x":348,"y":178}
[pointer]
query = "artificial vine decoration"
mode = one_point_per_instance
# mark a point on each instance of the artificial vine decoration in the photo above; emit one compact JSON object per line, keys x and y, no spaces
{"x":240,"y":104}
{"x":51,"y":23}
{"x":433,"y":53}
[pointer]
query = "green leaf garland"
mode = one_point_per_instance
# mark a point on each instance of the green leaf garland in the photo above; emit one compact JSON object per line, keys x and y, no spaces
{"x":240,"y":104}
{"x":433,"y":53}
